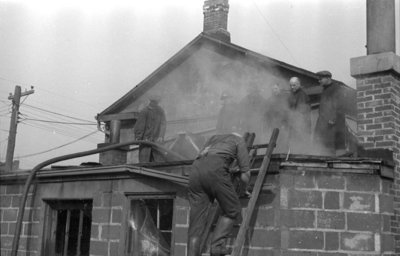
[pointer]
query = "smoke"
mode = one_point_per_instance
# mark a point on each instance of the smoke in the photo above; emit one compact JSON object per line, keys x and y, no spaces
{"x":191,"y":95}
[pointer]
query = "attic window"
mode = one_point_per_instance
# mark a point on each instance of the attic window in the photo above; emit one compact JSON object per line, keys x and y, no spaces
{"x":67,"y":227}
{"x":150,"y":226}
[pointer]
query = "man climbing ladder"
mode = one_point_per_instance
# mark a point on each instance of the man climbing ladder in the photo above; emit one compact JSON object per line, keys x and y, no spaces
{"x":210,"y":179}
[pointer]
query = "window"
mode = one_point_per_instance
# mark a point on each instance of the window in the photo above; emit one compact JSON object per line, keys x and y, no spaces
{"x":67,"y":227}
{"x":150,"y":226}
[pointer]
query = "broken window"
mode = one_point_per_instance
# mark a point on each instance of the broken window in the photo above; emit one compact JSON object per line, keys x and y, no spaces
{"x":150,"y":226}
{"x":67,"y":227}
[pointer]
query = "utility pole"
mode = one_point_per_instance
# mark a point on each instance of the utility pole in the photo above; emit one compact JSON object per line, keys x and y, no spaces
{"x":16,"y":99}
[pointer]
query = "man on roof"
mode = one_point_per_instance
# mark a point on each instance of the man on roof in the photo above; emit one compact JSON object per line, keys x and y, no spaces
{"x":150,"y":126}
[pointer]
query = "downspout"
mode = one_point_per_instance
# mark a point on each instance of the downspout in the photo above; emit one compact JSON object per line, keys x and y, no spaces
{"x":165,"y":152}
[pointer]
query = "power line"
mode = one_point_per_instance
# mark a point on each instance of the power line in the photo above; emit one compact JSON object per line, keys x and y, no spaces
{"x":56,"y":131}
{"x":55,"y":113}
{"x":58,"y":147}
{"x":56,"y":122}
{"x":32,"y":113}
{"x":275,"y":33}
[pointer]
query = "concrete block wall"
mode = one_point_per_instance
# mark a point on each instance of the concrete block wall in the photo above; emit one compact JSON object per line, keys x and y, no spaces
{"x":315,"y":214}
{"x":319,"y":212}
{"x":10,"y":196}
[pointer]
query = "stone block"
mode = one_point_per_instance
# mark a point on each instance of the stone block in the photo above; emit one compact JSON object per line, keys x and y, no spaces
{"x":5,"y":201}
{"x":297,"y":218}
{"x":10,"y":214}
{"x":331,"y":241}
{"x":332,"y":182}
{"x":110,"y":232}
{"x":305,"y":199}
{"x":363,"y":222}
{"x":114,"y":247}
{"x":98,"y":248}
{"x":387,"y":243}
{"x":304,"y":239}
{"x":13,"y":190}
{"x":357,"y":242}
{"x":181,"y":234}
{"x":359,"y":202}
{"x":182,"y":215}
{"x":304,"y":181}
{"x":364,"y":183}
{"x":331,"y":220}
{"x":101,"y":215}
{"x":386,"y":203}
{"x":265,"y":238}
{"x":180,"y":249}
{"x":331,"y":200}
{"x":116,"y":216}
{"x":264,"y":217}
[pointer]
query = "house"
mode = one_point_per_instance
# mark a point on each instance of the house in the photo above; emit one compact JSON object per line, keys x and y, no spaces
{"x":192,"y":81}
{"x":309,"y":205}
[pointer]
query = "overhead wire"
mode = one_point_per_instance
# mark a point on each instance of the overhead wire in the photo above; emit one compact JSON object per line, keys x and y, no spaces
{"x":57,"y":122}
{"x":55,"y":113}
{"x":58,"y":147}
{"x":32,"y":113}
{"x":275,"y":33}
{"x":58,"y":131}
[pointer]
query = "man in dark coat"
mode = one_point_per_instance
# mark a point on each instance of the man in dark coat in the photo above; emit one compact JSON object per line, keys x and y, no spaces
{"x":330,"y":128}
{"x":252,"y":111}
{"x":150,"y":126}
{"x":228,"y":115}
{"x":276,"y":116}
{"x":210,"y":179}
{"x":299,"y":117}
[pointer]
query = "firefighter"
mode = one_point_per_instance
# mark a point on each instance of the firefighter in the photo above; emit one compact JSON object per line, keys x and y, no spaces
{"x":228,"y":115}
{"x":299,"y":117}
{"x":150,"y":126}
{"x":252,"y":110}
{"x":210,"y":179}
{"x":330,"y":128}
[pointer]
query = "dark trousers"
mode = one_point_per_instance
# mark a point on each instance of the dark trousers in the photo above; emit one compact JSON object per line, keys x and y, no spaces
{"x":209,"y":180}
{"x":147,"y":154}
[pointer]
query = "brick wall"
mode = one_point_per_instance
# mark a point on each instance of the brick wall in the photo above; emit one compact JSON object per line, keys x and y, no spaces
{"x":378,"y":111}
{"x":378,"y":106}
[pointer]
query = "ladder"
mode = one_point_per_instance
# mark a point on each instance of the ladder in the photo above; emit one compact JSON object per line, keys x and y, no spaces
{"x":215,"y":210}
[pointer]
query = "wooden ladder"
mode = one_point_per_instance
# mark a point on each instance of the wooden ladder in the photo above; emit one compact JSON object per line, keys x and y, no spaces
{"x":215,"y":210}
{"x":244,"y":227}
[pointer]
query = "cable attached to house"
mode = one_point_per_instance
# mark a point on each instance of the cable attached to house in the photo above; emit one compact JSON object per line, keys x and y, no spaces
{"x":164,"y":151}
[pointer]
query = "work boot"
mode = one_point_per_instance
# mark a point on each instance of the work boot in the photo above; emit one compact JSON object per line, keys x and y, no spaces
{"x":194,"y":246}
{"x":222,"y":230}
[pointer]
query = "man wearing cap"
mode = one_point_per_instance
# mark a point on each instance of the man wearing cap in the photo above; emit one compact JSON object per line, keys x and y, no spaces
{"x":228,"y":115}
{"x":210,"y":180}
{"x":150,"y":126}
{"x":299,"y":117}
{"x":330,"y":128}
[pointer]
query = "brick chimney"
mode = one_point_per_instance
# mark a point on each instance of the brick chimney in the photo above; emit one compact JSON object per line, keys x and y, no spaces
{"x":378,"y":93}
{"x":216,"y":19}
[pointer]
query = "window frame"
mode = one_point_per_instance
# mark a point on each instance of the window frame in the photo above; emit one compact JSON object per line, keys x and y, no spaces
{"x":137,"y":196}
{"x":52,"y":206}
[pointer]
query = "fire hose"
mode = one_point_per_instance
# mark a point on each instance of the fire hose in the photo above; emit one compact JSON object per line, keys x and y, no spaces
{"x":164,"y":151}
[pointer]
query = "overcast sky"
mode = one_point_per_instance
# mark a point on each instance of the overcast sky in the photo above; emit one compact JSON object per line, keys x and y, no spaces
{"x":81,"y":55}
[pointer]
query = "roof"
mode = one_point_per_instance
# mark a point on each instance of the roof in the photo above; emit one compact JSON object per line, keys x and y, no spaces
{"x":201,"y":40}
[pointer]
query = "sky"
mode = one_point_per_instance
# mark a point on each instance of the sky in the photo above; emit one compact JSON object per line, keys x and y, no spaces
{"x":83,"y":55}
